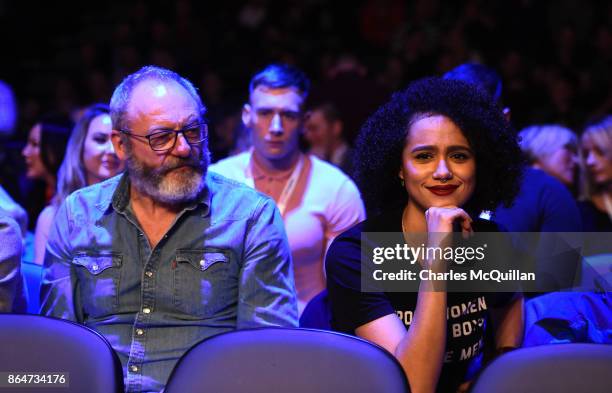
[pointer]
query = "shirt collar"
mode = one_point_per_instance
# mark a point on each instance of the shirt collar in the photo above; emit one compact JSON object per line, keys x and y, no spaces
{"x":259,"y":172}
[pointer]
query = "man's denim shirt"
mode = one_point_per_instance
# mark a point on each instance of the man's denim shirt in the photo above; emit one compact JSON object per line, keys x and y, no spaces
{"x":224,"y":264}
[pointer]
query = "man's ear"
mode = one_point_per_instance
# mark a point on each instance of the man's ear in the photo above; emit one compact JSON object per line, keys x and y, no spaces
{"x":118,"y":145}
{"x":247,"y":112}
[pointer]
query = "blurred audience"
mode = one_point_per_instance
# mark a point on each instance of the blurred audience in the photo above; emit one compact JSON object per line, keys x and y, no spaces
{"x":553,"y":149}
{"x":43,"y":155}
{"x":89,"y":159}
{"x":348,"y":85}
{"x":45,"y":151}
{"x":596,"y":208}
{"x":8,"y":110}
{"x":323,"y":130}
{"x":553,"y":59}
{"x":543,"y":203}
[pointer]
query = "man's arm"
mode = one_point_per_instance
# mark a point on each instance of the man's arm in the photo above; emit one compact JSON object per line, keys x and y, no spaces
{"x":59,"y":283}
{"x":10,"y":262}
{"x":345,"y":210}
{"x":267,"y":294}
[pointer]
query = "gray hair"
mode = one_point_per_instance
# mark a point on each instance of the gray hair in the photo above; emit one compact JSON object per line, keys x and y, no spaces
{"x":542,"y":140}
{"x":121,"y":96}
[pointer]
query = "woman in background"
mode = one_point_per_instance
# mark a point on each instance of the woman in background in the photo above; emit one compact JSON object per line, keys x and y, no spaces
{"x":553,"y":149}
{"x":45,"y":151}
{"x":596,"y":207}
{"x":90,"y":159}
{"x":90,"y":156}
{"x":43,"y":156}
{"x":428,"y":162}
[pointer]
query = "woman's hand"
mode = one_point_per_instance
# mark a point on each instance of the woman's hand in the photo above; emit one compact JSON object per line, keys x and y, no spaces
{"x":441,"y":219}
{"x":439,"y":228}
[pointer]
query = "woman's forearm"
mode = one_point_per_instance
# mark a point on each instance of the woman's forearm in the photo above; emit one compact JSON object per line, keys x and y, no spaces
{"x":421,"y":351}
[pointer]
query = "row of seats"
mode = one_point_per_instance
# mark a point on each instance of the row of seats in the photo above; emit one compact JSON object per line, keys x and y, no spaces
{"x":283,"y":360}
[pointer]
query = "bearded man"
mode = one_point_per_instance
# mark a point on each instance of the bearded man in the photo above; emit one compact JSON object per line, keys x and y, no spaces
{"x":166,"y":254}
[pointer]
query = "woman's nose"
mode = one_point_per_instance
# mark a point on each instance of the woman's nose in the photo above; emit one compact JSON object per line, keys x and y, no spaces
{"x":442,"y":171}
{"x":590,"y":159}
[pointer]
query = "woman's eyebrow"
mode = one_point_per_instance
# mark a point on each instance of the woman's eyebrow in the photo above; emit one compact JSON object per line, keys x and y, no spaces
{"x":423,"y":147}
{"x":459,"y":147}
{"x":433,"y":147}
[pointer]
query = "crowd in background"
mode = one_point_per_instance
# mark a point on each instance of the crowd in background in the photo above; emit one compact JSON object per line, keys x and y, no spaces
{"x":554,"y":58}
{"x":515,"y":135}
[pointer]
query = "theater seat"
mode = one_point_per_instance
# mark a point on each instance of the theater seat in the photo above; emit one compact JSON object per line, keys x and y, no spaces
{"x":286,"y":360}
{"x":562,"y":368}
{"x":32,"y":344}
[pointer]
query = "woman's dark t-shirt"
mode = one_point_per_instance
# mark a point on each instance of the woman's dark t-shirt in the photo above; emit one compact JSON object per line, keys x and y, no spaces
{"x":351,"y":308}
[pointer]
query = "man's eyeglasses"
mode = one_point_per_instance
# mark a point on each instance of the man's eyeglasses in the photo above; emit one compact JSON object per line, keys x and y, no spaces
{"x":163,"y":139}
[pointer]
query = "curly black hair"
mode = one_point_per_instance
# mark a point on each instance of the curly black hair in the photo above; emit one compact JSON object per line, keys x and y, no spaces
{"x":379,"y":146}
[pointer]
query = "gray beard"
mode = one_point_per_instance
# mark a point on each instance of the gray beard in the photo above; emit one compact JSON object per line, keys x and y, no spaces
{"x":168,"y":188}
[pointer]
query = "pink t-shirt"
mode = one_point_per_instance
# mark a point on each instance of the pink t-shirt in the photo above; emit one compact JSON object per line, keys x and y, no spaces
{"x":324,"y":203}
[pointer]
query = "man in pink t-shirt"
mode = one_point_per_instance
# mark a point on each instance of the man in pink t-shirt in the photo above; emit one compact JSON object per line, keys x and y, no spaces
{"x":317,"y":201}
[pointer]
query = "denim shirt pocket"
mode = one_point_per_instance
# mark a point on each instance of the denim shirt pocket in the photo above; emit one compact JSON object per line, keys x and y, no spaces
{"x":98,"y":278}
{"x":201,"y":281}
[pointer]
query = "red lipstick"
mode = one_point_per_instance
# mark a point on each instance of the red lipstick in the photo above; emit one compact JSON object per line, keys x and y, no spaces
{"x":443,"y":190}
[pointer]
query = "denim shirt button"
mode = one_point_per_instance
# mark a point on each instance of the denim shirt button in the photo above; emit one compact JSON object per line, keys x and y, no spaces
{"x":139,"y":332}
{"x":149,"y":273}
{"x":202,"y":263}
{"x":94,"y":267}
{"x":146,"y":310}
{"x":134,"y":368}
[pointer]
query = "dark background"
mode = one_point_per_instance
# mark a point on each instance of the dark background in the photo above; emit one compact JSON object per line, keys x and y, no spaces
{"x":555,"y":57}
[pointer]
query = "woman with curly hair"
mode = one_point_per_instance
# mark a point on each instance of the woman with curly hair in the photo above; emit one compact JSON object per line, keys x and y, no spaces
{"x":429,"y":161}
